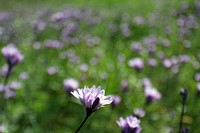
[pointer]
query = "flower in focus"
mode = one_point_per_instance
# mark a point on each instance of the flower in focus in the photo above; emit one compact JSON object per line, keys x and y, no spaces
{"x":70,"y":84}
{"x":92,"y":98}
{"x":12,"y":54}
{"x":129,"y":125}
{"x":151,"y":94}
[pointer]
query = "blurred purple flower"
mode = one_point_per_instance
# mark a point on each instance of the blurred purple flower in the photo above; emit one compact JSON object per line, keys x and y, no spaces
{"x":152,"y":62}
{"x":92,"y":98}
{"x":2,"y":129}
{"x":2,"y":88}
{"x":12,"y":54}
{"x":53,"y":44}
{"x":83,"y":67}
{"x":24,"y":75}
{"x":116,"y":100}
{"x":146,"y":82}
{"x":4,"y":70}
{"x":52,"y":70}
{"x":136,"y":63}
{"x":151,"y":95}
{"x":197,"y":76}
{"x":139,"y":113}
{"x":124,"y":85}
{"x":14,"y":85}
{"x":136,"y":47}
{"x":70,"y":84}
{"x":184,"y":58}
{"x":167,"y":63}
{"x":9,"y":93}
{"x":129,"y":125}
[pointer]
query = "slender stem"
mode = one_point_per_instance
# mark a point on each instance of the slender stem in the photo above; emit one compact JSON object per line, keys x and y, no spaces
{"x":87,"y":116}
{"x":182,"y":114}
{"x":7,"y":75}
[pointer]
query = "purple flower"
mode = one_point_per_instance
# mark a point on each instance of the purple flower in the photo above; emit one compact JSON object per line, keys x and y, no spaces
{"x":12,"y":54}
{"x":136,"y":63}
{"x":92,"y":98}
{"x":167,"y":63}
{"x":124,"y":85}
{"x":139,"y":113}
{"x":53,"y":44}
{"x":146,"y":82}
{"x":70,"y":84}
{"x":14,"y":85}
{"x":151,"y":94}
{"x":152,"y":62}
{"x":52,"y":70}
{"x":116,"y":100}
{"x":129,"y":125}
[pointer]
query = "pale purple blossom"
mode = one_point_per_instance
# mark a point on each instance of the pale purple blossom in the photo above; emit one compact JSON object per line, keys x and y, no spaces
{"x":139,"y":113}
{"x":14,"y":85}
{"x":2,"y":88}
{"x":24,"y":76}
{"x":152,"y":62}
{"x":167,"y":63}
{"x":92,"y":98}
{"x":197,"y":76}
{"x":54,"y":44}
{"x":146,"y":82}
{"x":4,"y":70}
{"x":12,"y":54}
{"x":52,"y":70}
{"x":83,"y":67}
{"x":116,"y":100}
{"x":130,"y":124}
{"x":124,"y":85}
{"x":151,"y":94}
{"x":136,"y":63}
{"x":70,"y":84}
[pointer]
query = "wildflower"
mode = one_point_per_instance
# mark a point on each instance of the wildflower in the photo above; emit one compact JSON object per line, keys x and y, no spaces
{"x":139,"y":113}
{"x":151,"y":95}
{"x":70,"y":84}
{"x":92,"y":98}
{"x":129,"y":125}
{"x":12,"y":55}
{"x":116,"y":100}
{"x":52,"y":70}
{"x":136,"y":63}
{"x":124,"y":85}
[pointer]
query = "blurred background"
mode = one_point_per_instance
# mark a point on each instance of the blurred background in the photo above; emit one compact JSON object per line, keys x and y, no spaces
{"x":122,"y":46}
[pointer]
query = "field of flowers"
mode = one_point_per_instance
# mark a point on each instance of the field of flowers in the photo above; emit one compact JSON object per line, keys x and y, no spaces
{"x":123,"y":66}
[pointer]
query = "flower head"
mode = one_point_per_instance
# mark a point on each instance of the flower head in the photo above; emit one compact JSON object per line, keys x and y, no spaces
{"x":136,"y":63}
{"x":116,"y":100}
{"x":70,"y":84}
{"x":92,"y":98}
{"x":152,"y":94}
{"x":12,"y":54}
{"x":129,"y":125}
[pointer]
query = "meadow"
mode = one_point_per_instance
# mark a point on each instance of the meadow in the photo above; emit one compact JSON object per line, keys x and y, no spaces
{"x":126,"y":47}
